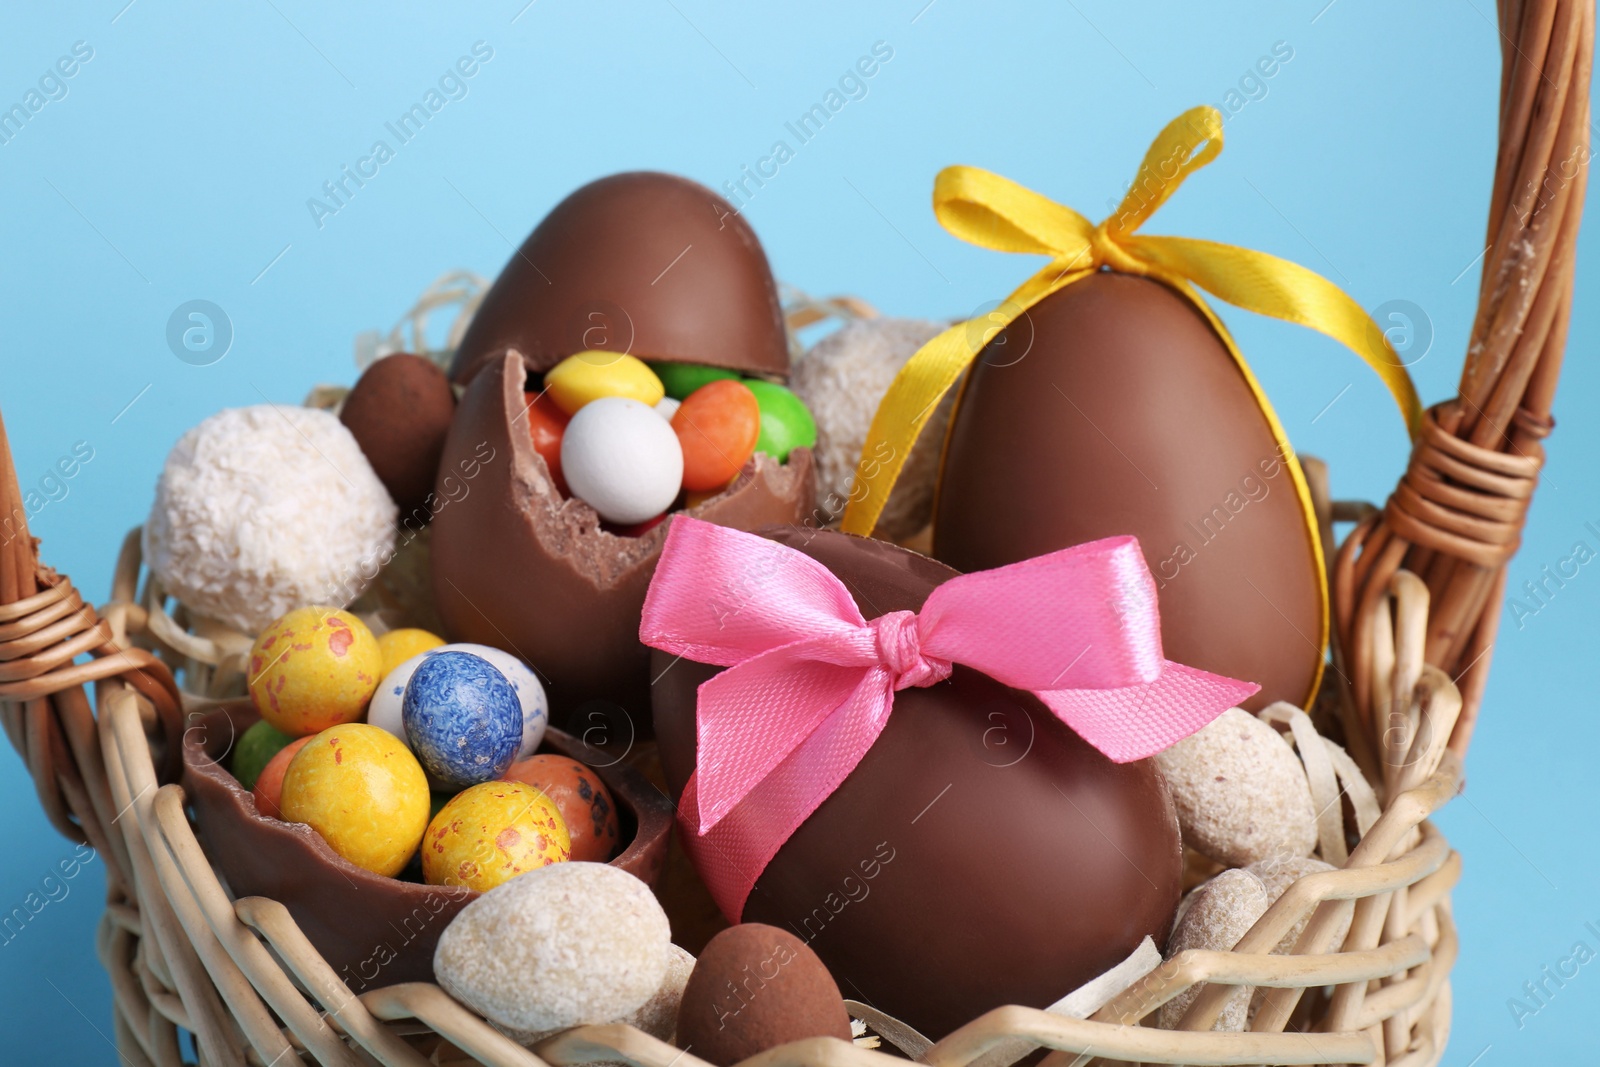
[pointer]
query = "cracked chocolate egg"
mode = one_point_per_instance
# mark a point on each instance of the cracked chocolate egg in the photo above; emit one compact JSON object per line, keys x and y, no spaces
{"x":646,"y":264}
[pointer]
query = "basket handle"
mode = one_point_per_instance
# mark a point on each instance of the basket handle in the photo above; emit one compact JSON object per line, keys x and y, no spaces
{"x":1457,"y":515}
{"x":45,"y":625}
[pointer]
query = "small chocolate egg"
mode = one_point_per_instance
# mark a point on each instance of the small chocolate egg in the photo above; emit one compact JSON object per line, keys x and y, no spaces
{"x":268,"y":789}
{"x":363,"y":792}
{"x":489,"y":834}
{"x":756,"y":987}
{"x":399,"y":413}
{"x":255,"y":750}
{"x":622,"y":459}
{"x":461,"y":718}
{"x":585,"y":803}
{"x":397,"y":646}
{"x":313,"y":668}
{"x":386,"y":709}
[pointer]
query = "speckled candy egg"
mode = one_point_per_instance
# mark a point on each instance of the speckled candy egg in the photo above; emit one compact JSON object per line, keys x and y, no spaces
{"x":313,"y":668}
{"x":585,"y":803}
{"x":491,"y":833}
{"x":462,"y":718}
{"x":385,"y":710}
{"x":363,"y":792}
{"x":397,"y":646}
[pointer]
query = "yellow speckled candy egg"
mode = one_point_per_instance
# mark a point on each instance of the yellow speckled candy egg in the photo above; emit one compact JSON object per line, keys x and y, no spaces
{"x":314,"y":668}
{"x":397,"y":646}
{"x":363,"y":791}
{"x":491,"y":833}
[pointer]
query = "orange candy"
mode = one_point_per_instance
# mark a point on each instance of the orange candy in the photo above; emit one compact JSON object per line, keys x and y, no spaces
{"x":546,"y":424}
{"x":717,"y":425}
{"x":269,"y":784}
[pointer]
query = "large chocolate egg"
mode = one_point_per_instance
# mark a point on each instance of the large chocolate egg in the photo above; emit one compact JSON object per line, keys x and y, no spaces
{"x":980,"y":854}
{"x":518,"y":567}
{"x":1112,"y":407}
{"x":646,"y":263}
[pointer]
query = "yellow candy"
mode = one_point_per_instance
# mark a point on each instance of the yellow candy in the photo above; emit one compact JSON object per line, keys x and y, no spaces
{"x":491,"y":833}
{"x":397,"y":646}
{"x":363,"y":791}
{"x":588,"y":376}
{"x":312,"y":669}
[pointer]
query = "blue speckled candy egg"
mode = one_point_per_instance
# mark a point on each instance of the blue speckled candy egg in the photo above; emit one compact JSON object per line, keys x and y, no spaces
{"x":461,"y":718}
{"x":384,"y":711}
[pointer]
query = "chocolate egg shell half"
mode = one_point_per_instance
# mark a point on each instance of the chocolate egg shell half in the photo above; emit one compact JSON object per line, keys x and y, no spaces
{"x":517,"y":567}
{"x":1125,"y":414}
{"x":374,"y":931}
{"x":646,"y":263}
{"x":980,"y":854}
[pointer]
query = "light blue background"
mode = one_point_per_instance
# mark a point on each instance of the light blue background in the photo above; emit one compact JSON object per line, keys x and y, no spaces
{"x":179,"y":164}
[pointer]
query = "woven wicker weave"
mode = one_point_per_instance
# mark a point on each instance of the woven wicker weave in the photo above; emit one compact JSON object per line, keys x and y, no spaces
{"x":1418,"y":586}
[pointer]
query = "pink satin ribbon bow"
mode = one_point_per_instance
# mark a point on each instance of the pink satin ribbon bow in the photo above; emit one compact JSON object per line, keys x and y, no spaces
{"x":810,"y":683}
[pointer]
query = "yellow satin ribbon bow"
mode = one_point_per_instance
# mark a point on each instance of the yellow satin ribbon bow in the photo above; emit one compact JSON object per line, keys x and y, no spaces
{"x":987,"y":210}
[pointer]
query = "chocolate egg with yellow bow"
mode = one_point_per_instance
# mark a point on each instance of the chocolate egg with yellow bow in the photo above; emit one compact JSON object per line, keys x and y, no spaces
{"x":981,"y":853}
{"x":633,"y":267}
{"x":1113,"y":407}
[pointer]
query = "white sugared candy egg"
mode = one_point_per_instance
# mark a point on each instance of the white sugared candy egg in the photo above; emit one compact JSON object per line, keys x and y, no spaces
{"x":667,"y":407}
{"x":622,"y":458}
{"x":384,"y":711}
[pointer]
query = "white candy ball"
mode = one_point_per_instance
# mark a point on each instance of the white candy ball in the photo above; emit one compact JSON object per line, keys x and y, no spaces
{"x":622,"y":459}
{"x":384,"y":710}
{"x":667,"y":407}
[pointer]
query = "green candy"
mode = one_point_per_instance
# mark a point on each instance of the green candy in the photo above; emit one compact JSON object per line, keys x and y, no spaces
{"x":681,"y":379}
{"x":786,"y":424}
{"x":255,"y":749}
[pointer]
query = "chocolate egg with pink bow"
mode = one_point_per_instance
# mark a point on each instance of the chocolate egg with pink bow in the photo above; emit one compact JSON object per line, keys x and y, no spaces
{"x":981,"y":853}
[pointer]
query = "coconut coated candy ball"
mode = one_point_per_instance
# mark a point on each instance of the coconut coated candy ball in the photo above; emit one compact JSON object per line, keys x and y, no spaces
{"x":385,"y":710}
{"x":461,"y":718}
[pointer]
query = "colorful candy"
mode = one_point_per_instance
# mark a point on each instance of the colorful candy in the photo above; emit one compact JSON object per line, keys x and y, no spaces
{"x":269,"y":783}
{"x":582,"y":798}
{"x":385,"y":711}
{"x":461,"y":718}
{"x":681,"y":379}
{"x":547,"y":424}
{"x":579,"y":380}
{"x":363,"y":792}
{"x":717,"y":426}
{"x":622,"y":459}
{"x":313,"y":668}
{"x":255,"y":749}
{"x":491,"y":833}
{"x":397,"y":646}
{"x":786,"y":423}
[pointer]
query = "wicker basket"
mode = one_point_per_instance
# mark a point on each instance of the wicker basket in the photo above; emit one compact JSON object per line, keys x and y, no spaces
{"x":1418,"y":588}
